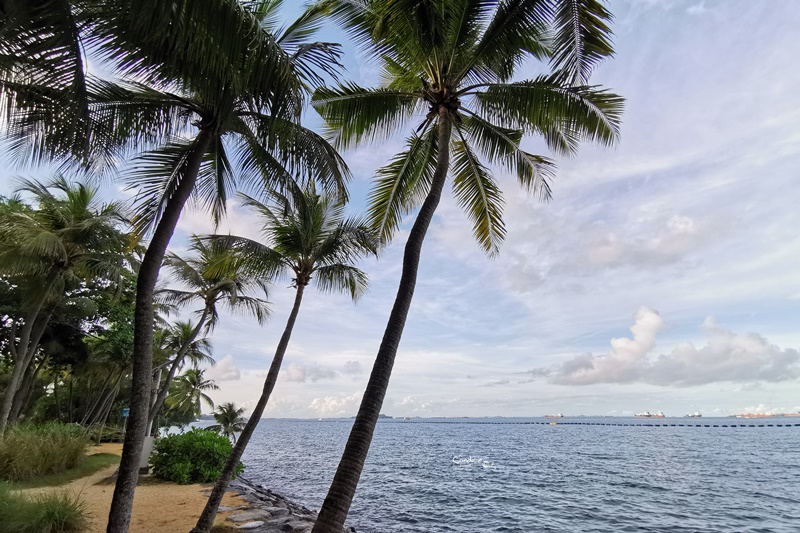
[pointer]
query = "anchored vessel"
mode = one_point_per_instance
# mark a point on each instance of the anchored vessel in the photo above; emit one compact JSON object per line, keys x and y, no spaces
{"x":559,"y":415}
{"x":696,"y":414}
{"x":648,"y":414}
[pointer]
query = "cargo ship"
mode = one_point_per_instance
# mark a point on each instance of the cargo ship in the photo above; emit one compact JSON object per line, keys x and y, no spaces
{"x":648,"y":414}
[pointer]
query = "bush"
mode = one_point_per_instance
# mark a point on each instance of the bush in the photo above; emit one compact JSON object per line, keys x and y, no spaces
{"x":197,"y":456}
{"x":45,"y":513}
{"x":28,"y":451}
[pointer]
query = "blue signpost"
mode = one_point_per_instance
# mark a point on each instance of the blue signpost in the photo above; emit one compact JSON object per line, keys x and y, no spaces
{"x":125,"y":412}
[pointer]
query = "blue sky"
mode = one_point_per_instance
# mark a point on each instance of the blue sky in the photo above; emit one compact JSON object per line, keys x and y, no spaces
{"x":662,"y":276}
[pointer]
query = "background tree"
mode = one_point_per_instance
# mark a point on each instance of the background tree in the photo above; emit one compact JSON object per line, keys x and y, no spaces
{"x":229,"y":420}
{"x":68,"y":239}
{"x":189,"y":392}
{"x":306,"y":237}
{"x":213,"y":274}
{"x":450,"y":65}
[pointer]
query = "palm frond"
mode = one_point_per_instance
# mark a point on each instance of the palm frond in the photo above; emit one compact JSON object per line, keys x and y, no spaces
{"x":543,"y":104}
{"x":403,"y":184}
{"x":582,"y":39}
{"x":354,"y":114}
{"x":478,"y":193}
{"x":342,"y":278}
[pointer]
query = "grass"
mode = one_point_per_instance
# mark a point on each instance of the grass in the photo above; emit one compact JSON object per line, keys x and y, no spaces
{"x":30,"y":451}
{"x":44,"y":513}
{"x":87,"y":467}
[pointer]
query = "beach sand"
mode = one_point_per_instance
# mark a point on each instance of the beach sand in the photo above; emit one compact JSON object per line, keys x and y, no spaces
{"x":158,"y":506}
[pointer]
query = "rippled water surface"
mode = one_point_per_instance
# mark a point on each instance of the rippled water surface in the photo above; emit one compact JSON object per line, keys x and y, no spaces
{"x":465,"y":476}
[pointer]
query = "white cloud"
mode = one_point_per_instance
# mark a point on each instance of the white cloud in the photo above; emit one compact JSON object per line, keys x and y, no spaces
{"x":311,"y":372}
{"x":336,"y":406}
{"x":224,"y":370}
{"x":726,"y":357}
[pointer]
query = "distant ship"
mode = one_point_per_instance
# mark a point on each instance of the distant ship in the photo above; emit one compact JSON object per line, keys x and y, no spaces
{"x":648,"y":414}
{"x":696,"y":414}
{"x":559,"y":415}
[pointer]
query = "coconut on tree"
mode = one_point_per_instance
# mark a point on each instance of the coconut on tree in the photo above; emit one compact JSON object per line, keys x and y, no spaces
{"x":452,"y":72}
{"x":307,"y":238}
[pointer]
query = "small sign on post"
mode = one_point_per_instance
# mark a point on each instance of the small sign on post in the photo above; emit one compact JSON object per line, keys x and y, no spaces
{"x":125,"y":412}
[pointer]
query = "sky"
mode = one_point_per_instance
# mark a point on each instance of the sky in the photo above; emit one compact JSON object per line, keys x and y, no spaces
{"x":663,"y":275}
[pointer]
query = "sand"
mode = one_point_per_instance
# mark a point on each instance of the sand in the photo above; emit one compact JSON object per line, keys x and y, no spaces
{"x":158,"y":506}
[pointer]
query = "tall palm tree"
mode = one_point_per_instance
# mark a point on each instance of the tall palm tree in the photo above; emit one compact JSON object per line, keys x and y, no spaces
{"x":214,"y":274}
{"x":67,"y":239}
{"x":307,"y":238}
{"x":208,"y":75}
{"x":449,"y":66}
{"x":240,"y":136}
{"x":229,"y":420}
{"x":189,"y":392}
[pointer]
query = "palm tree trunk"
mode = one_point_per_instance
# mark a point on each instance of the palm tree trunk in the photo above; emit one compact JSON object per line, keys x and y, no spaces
{"x":340,"y":495}
{"x":20,"y":403}
{"x":164,"y":390}
{"x":206,"y":519}
{"x":23,"y":352}
{"x":119,"y":515}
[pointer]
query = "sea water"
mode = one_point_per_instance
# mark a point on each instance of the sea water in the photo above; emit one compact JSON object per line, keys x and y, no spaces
{"x":530,"y":475}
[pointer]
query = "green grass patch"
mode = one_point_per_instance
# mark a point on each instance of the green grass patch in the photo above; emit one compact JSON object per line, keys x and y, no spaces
{"x":87,"y":467}
{"x":30,"y":451}
{"x":44,"y":513}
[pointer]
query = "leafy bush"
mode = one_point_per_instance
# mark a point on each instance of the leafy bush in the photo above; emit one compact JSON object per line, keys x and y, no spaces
{"x":28,"y":451}
{"x":44,"y":513}
{"x":197,"y":456}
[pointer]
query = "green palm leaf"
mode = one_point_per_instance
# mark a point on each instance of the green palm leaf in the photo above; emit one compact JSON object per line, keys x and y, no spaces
{"x":478,"y":193}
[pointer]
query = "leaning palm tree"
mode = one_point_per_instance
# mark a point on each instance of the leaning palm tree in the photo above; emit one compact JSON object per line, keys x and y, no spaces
{"x":449,"y":66}
{"x":307,"y":238}
{"x":189,"y":392}
{"x":69,"y":238}
{"x":214,"y":274}
{"x":229,"y":420}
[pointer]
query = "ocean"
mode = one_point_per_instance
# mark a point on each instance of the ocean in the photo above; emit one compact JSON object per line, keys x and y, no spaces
{"x":527,"y":475}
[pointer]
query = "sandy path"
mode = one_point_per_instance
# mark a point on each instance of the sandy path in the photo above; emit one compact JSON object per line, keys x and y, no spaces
{"x":158,"y":507}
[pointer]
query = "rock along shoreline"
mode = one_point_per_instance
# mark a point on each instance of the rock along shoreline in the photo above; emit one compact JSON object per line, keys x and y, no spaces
{"x":269,"y":512}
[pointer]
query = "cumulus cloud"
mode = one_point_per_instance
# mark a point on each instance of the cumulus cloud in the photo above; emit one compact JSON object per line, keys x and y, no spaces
{"x":332,"y":406}
{"x":312,"y":372}
{"x":224,"y":370}
{"x":726,"y":356}
{"x":352,"y":367}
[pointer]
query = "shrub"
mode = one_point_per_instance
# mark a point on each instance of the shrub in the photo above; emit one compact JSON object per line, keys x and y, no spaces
{"x":196,"y":456}
{"x":28,"y":451}
{"x":56,"y":512}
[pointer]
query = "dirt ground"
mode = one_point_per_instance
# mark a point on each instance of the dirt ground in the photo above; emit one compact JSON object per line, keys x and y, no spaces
{"x":158,"y":507}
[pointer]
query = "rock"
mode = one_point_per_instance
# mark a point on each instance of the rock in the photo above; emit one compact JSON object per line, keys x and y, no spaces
{"x":227,"y":509}
{"x":249,"y":516}
{"x":276,"y":511}
{"x":250,"y":525}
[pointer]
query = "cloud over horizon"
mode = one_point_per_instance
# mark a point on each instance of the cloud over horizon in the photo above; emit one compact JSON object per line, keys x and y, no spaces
{"x":725,"y":357}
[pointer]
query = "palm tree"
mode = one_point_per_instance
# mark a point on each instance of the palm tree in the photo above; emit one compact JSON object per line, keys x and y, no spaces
{"x":214,"y":274}
{"x":189,"y":392}
{"x":451,"y":63}
{"x":180,"y":341}
{"x":307,"y":238}
{"x":229,"y":420}
{"x":240,"y":89}
{"x":68,"y":239}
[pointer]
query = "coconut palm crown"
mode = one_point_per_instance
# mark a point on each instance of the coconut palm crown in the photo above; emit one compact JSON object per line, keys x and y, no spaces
{"x":451,"y":72}
{"x":450,"y":65}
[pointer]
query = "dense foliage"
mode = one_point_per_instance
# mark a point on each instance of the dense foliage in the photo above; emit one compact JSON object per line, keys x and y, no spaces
{"x":29,"y":451}
{"x":196,"y":456}
{"x":55,"y":512}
